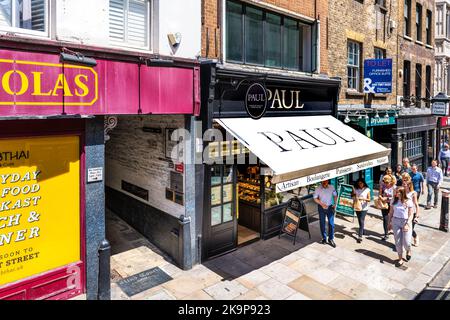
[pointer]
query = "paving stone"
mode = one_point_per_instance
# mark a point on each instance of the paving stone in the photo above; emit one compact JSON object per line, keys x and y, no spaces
{"x":159,"y":295}
{"x":281,"y":272}
{"x":344,"y":284}
{"x":198,"y":295}
{"x":291,"y":258}
{"x":431,"y":268}
{"x":316,"y":290}
{"x":406,"y":294}
{"x":298,"y":296}
{"x":253,"y":294}
{"x":275,"y":290}
{"x":184,"y":285}
{"x":303,"y":265}
{"x":309,"y":253}
{"x":226,"y":290}
{"x":253,"y":279}
{"x":363,"y":292}
{"x":419,"y":283}
{"x":323,"y":275}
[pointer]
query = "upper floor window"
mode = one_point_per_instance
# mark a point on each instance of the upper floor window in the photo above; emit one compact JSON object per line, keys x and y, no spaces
{"x":259,"y":37}
{"x":353,"y":65}
{"x":129,"y":23}
{"x":379,"y":53}
{"x":418,"y":22}
{"x":29,"y":16}
{"x":428,"y":26}
{"x":407,"y":17}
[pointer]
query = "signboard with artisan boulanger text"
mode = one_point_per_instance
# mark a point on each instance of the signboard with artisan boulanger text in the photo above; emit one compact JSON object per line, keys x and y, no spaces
{"x":39,"y":205}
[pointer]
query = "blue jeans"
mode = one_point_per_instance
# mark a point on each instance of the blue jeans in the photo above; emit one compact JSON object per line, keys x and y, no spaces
{"x":432,"y":188}
{"x":329,"y":213}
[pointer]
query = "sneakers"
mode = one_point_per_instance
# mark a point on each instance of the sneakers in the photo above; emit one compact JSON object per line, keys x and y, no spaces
{"x":435,"y":206}
{"x":331,"y":243}
{"x":428,"y":207}
{"x":385,"y":237}
{"x":323,"y":241}
{"x":359,"y":240}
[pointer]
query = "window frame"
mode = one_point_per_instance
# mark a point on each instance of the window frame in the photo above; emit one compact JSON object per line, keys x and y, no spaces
{"x":418,"y":80}
{"x":24,"y":31}
{"x":419,"y":22}
{"x":428,"y":27}
{"x":149,"y":31}
{"x":406,"y":78}
{"x":301,"y":45}
{"x":383,"y":51}
{"x":356,"y":67}
{"x":407,"y":19}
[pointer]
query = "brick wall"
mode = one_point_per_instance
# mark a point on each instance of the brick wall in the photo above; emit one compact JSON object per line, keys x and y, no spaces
{"x":357,"y":21}
{"x":413,"y":51}
{"x":211,"y":24}
{"x":138,"y":157}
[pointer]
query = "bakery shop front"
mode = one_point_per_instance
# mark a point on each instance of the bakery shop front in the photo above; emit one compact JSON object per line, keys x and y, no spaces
{"x":267,"y":139}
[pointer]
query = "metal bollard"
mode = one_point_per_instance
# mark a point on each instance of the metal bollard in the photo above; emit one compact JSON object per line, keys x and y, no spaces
{"x":104,"y":271}
{"x":443,"y":225}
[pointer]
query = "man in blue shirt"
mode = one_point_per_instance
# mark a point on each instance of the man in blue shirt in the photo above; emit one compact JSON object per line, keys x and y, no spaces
{"x":434,"y":181}
{"x":324,"y":196}
{"x":417,"y":180}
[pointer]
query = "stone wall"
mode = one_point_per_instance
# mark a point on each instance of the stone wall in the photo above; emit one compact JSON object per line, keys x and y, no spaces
{"x":138,"y":157}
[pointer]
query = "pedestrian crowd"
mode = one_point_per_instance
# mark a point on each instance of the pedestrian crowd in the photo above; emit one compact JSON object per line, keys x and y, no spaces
{"x":398,"y":201}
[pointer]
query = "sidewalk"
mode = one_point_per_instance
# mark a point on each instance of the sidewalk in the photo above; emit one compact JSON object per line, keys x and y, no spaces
{"x":276,"y":269}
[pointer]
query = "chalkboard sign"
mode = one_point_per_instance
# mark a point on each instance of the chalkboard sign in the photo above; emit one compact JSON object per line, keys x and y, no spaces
{"x":345,"y":200}
{"x":294,"y":213}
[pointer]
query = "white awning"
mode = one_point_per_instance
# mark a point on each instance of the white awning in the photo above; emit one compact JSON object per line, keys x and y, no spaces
{"x":306,"y":150}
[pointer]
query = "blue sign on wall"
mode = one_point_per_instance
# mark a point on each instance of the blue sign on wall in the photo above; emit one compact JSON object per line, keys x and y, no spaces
{"x":378,"y":76}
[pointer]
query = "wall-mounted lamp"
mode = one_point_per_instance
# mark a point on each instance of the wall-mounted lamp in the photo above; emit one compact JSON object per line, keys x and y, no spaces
{"x":77,"y":58}
{"x":159,"y":62}
{"x":386,"y":115}
{"x":377,"y":116}
{"x":174,"y":39}
{"x":347,"y":119}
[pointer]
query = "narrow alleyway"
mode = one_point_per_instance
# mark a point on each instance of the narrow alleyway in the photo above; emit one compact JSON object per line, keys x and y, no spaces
{"x":276,"y":269}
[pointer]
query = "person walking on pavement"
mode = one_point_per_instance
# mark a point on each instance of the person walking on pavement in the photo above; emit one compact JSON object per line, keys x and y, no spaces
{"x":324,"y":196}
{"x":400,"y":217}
{"x":388,"y":171}
{"x":398,"y":175}
{"x":411,"y":194}
{"x":387,"y":193}
{"x":362,"y":193}
{"x":417,"y":181}
{"x":434,"y":181}
{"x":444,"y":157}
{"x":406,"y":167}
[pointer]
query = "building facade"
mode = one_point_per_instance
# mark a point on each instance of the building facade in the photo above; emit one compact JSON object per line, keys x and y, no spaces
{"x":69,"y":77}
{"x":442,"y":48}
{"x":400,"y":118}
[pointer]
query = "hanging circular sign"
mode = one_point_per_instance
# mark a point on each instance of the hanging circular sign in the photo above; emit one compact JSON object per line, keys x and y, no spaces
{"x":256,"y":101}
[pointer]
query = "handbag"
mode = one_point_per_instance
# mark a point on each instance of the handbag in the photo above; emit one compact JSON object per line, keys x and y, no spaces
{"x":357,"y":204}
{"x":380,"y":204}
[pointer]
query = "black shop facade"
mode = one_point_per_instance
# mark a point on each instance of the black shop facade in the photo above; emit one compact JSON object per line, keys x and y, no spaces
{"x":267,"y":138}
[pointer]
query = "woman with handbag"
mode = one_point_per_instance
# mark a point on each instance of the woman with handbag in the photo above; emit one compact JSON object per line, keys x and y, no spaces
{"x":361,"y":204}
{"x":412,"y":195}
{"x":400,"y":218}
{"x":387,"y":193}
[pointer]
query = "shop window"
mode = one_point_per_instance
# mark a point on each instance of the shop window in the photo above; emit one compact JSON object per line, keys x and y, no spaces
{"x":353,"y":65}
{"x":407,"y":18}
{"x":419,"y":22}
{"x":29,"y":16}
{"x":129,"y":23}
{"x":413,"y":147}
{"x":428,"y":26}
{"x":259,"y":37}
{"x":379,"y":53}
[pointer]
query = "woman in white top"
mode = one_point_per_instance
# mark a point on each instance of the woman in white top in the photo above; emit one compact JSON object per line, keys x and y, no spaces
{"x":386,"y":195}
{"x":412,"y":195}
{"x":400,"y":218}
{"x":362,"y":193}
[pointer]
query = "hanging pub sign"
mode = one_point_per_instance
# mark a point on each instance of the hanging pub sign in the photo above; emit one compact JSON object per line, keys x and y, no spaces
{"x":256,"y":101}
{"x":439,"y":108}
{"x":345,"y":200}
{"x":378,"y":76}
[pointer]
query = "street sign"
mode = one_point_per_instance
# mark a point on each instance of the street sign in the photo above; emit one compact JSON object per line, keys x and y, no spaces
{"x":439,"y":108}
{"x":378,"y":76}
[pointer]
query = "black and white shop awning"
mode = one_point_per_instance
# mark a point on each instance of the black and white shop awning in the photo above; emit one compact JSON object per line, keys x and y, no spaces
{"x":306,"y":150}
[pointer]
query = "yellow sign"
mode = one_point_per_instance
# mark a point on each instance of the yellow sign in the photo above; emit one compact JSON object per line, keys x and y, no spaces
{"x":39,"y":205}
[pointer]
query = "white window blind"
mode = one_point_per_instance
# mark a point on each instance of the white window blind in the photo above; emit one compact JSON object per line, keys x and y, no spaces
{"x":129,"y":22}
{"x":24,"y":14}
